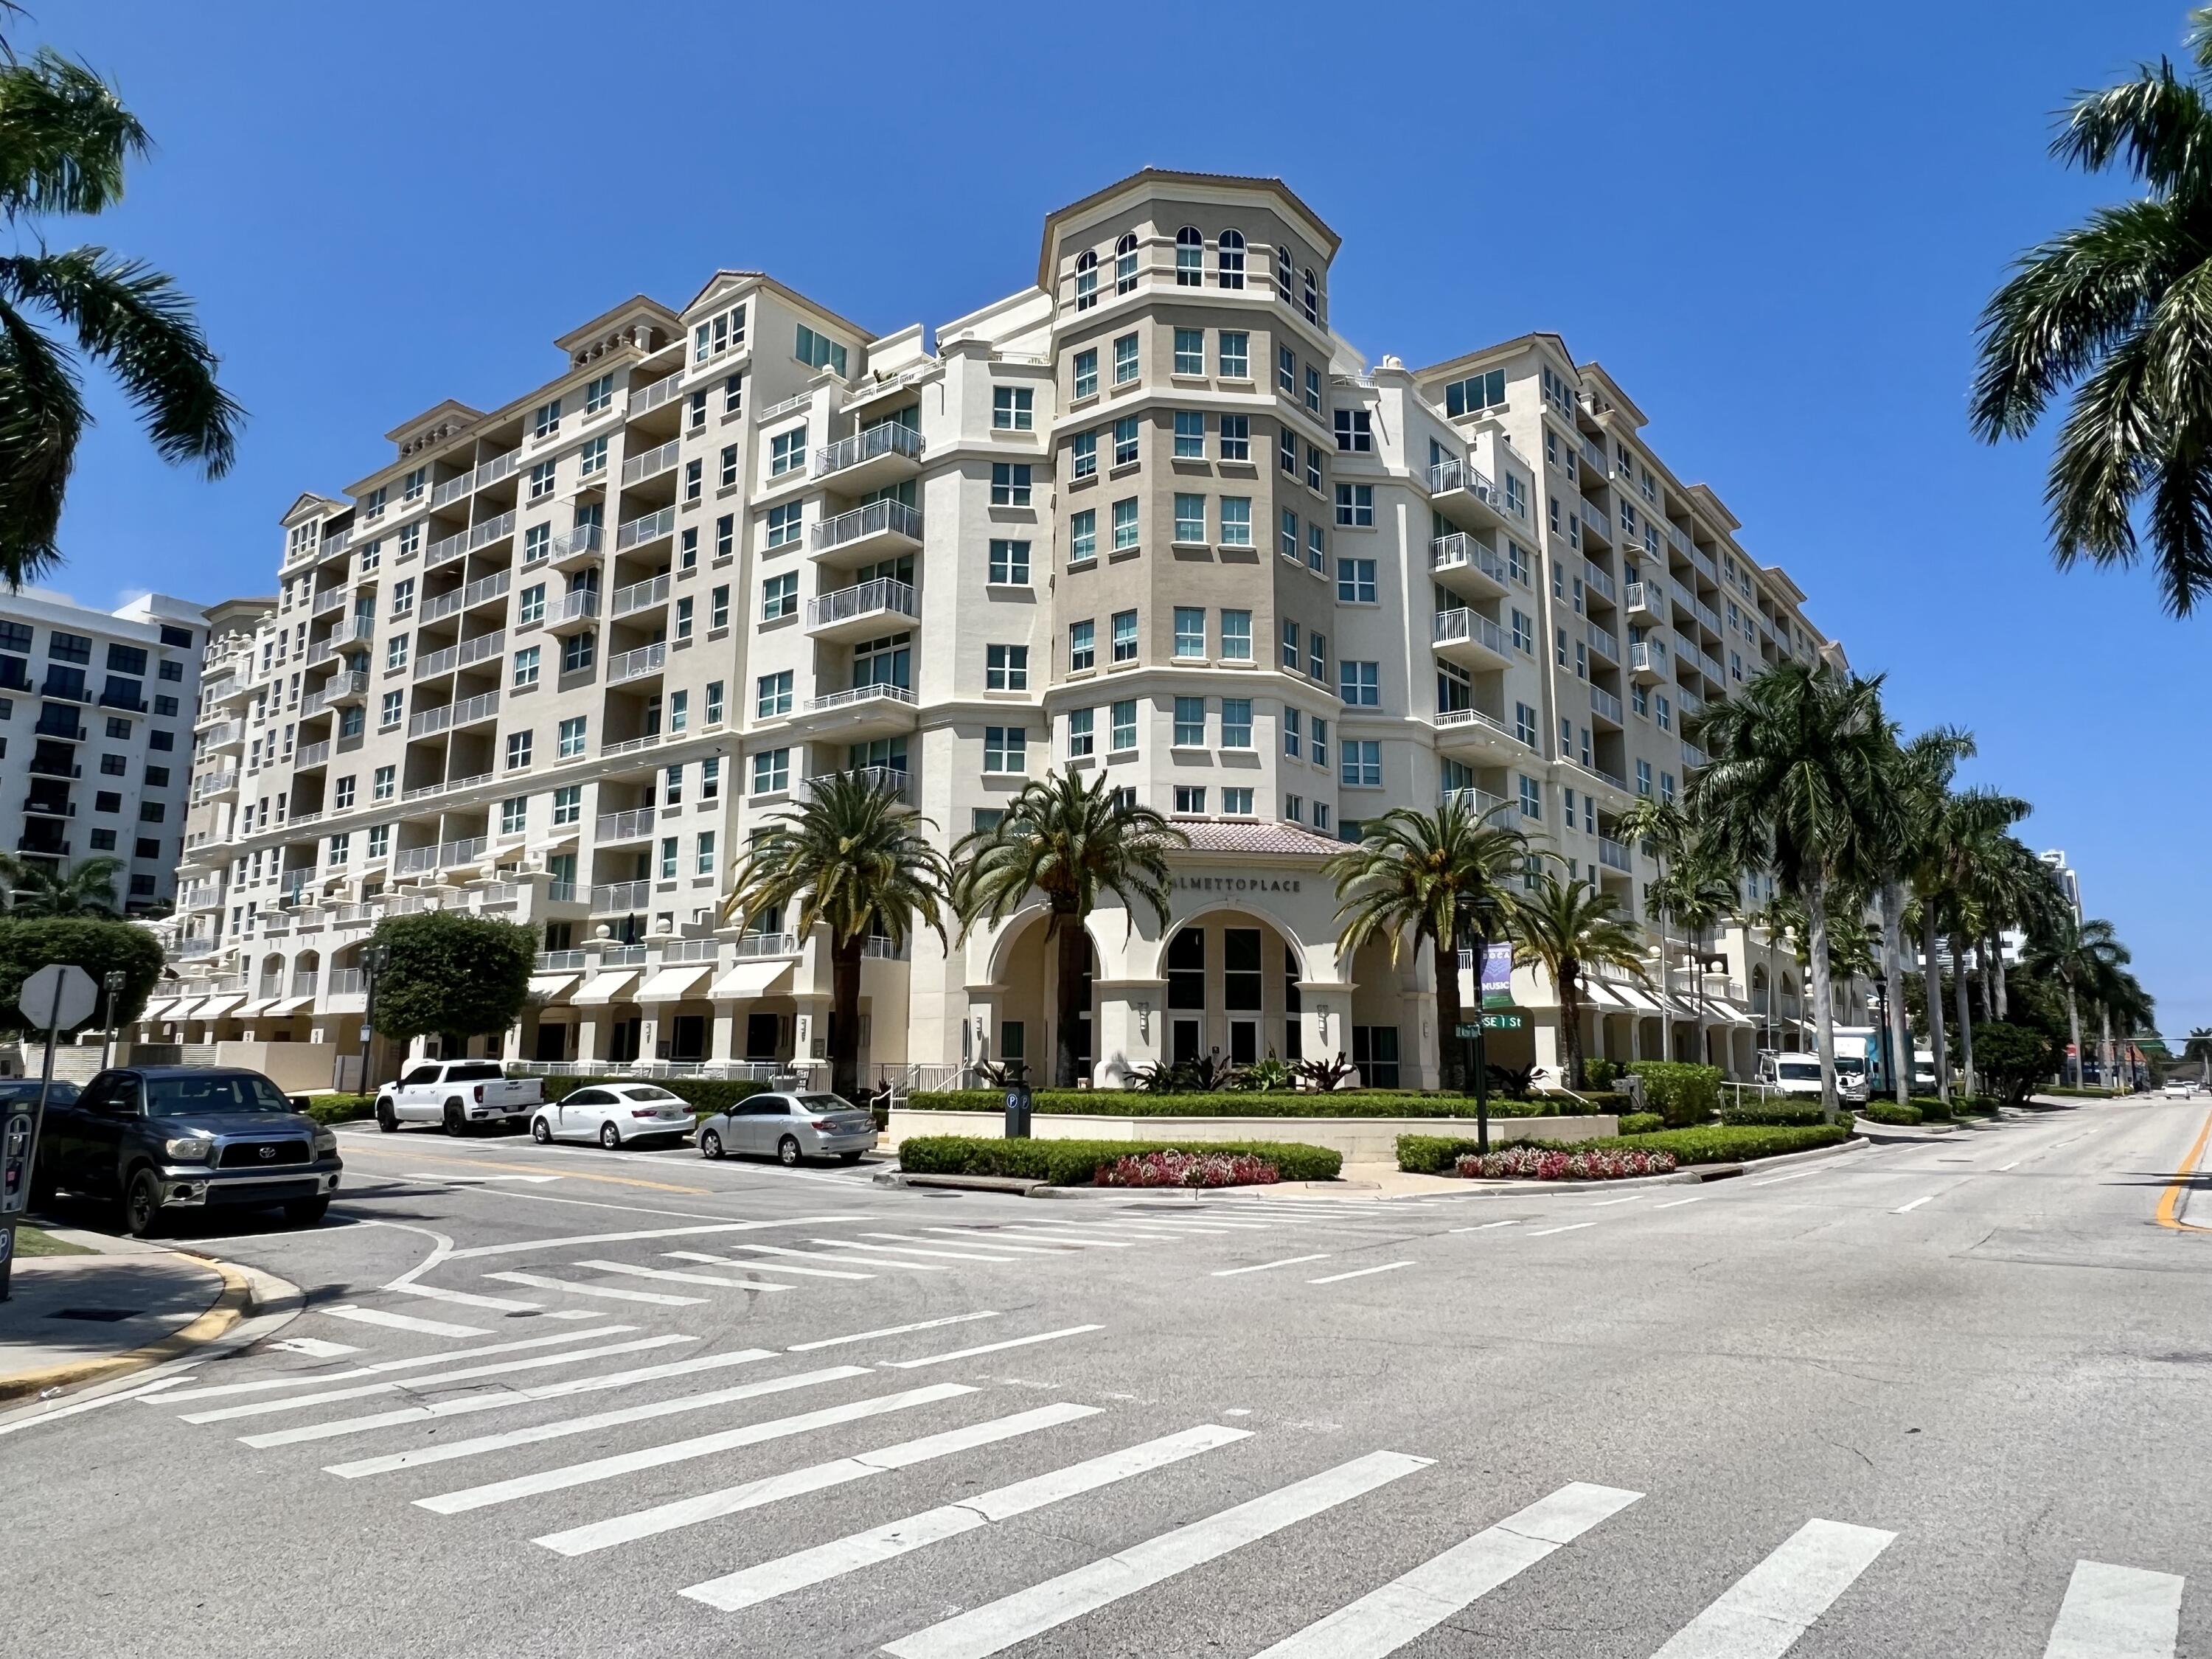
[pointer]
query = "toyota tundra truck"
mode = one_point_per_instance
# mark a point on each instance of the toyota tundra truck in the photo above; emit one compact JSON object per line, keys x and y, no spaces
{"x":463,"y":1095}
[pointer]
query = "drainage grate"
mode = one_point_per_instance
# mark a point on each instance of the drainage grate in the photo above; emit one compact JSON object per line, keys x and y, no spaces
{"x":99,"y":1316}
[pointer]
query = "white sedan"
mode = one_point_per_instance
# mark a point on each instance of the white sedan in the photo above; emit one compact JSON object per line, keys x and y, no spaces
{"x":611,"y":1113}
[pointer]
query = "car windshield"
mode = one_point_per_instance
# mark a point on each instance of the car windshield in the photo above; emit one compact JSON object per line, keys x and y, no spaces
{"x":1850,"y":1066}
{"x":186,"y":1096}
{"x":826,"y":1103}
{"x":1798,"y":1071}
{"x":26,"y":1088}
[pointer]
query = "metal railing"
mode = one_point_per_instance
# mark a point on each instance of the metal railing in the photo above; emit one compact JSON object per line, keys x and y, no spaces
{"x":891,"y":438}
{"x":640,"y":531}
{"x":467,"y":712}
{"x":620,"y":896}
{"x":691,"y":950}
{"x":583,"y":538}
{"x":479,"y":591}
{"x":1602,"y":642}
{"x":329,"y":599}
{"x":1478,"y":801}
{"x":1613,"y":854}
{"x":1455,"y":474}
{"x":1643,"y":596}
{"x":1450,"y":719}
{"x":1461,"y":552}
{"x":442,"y":855}
{"x":1598,"y":581}
{"x":228,"y":735}
{"x":882,"y":691}
{"x":646,"y":398}
{"x":653,"y":463}
{"x":575,"y":606}
{"x":767,"y":945}
{"x":214,"y":783}
{"x":563,"y":961}
{"x":638,"y":596}
{"x":345,"y":982}
{"x":1470,"y":627}
{"x":876,"y":518}
{"x":1602,"y":702}
{"x":461,"y":655}
{"x":893,"y":778}
{"x":884,"y":593}
{"x":635,"y":665}
{"x":624,"y":826}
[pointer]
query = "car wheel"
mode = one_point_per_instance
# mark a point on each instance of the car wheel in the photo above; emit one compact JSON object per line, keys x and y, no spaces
{"x":540,"y":1130}
{"x":142,"y":1205}
{"x":387,"y":1119}
{"x":455,"y":1123}
{"x":710,"y":1144}
{"x":787,"y":1151}
{"x":610,"y":1137}
{"x":306,"y":1212}
{"x":848,"y":1157}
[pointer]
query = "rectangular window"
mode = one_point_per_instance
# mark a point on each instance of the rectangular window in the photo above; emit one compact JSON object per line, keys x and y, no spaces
{"x":719,"y":334}
{"x":1125,"y":525}
{"x":1124,"y":441}
{"x":395,"y":652}
{"x":694,"y":480}
{"x":1287,"y":449}
{"x":702,"y":854}
{"x":780,"y":597}
{"x":403,"y":597}
{"x":599,"y":395}
{"x":578,"y":652}
{"x":531,"y":608}
{"x":1125,"y":360}
{"x":819,"y":351}
{"x":1189,"y":436}
{"x":570,"y":740}
{"x":1665,"y":717}
{"x":1083,"y":536}
{"x":1006,"y":748}
{"x":1287,"y":371}
{"x":1190,"y":351}
{"x":1123,"y":736}
{"x":1237,"y":722}
{"x":1475,"y":394}
{"x":1312,"y":389}
{"x":592,"y":457}
{"x":679,"y":710}
{"x":1190,"y":722}
{"x":1524,"y":632}
{"x":1084,"y":453}
{"x":1317,"y":654}
{"x":1236,"y":521}
{"x":726,"y":540}
{"x":341,"y":847}
{"x":1354,"y":431}
{"x":1363,"y":762}
{"x":517,"y":751}
{"x":513,"y":815}
{"x":1524,"y":724}
{"x":1235,"y":437}
{"x":683,"y":617}
{"x":787,"y":451}
{"x":380,"y":842}
{"x":1190,"y":631}
{"x":1319,"y":741}
{"x":1082,"y":646}
{"x":1291,"y":646}
{"x":1189,"y":798}
{"x":1190,"y":518}
{"x":390,"y":709}
{"x":1293,"y":732}
{"x":1313,"y":467}
{"x":718,"y":608}
{"x":771,"y":771}
{"x":1006,"y":668}
{"x":1086,"y":375}
{"x":1355,"y":505}
{"x":1010,"y":563}
{"x":1294,"y":811}
{"x":727,"y":475}
{"x":1286,"y":538}
{"x":1666,"y":787}
{"x":783,"y":525}
{"x":568,"y":806}
{"x":541,"y":480}
{"x":1125,"y":636}
{"x":1236,"y":803}
{"x":710,"y":778}
{"x":525,"y":667}
{"x":772,"y":695}
{"x":385,"y":782}
{"x":1010,"y":483}
{"x":1643,"y":777}
{"x":1012,"y":407}
{"x":1235,"y":362}
{"x":1236,"y":636}
{"x":1532,"y":798}
{"x":1359,"y":685}
{"x":1080,"y":737}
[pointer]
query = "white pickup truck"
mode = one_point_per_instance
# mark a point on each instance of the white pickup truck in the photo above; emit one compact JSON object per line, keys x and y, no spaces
{"x":461,"y":1094}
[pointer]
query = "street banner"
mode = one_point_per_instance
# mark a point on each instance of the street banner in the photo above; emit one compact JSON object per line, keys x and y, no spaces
{"x":1497,"y":976}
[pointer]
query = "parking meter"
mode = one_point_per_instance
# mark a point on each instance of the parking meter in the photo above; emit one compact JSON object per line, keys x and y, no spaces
{"x":1018,"y":1111}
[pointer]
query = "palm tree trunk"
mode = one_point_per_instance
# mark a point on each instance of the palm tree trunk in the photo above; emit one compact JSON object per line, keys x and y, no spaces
{"x":845,"y":1015}
{"x":1571,"y":1019}
{"x":2105,"y":1056}
{"x":1997,"y":979}
{"x":1698,"y":992}
{"x":1071,"y":957}
{"x":1931,"y":988}
{"x":1443,"y":953}
{"x":1816,"y":919}
{"x":1966,"y":1024}
{"x":1893,"y":978}
{"x":2073,"y":1030}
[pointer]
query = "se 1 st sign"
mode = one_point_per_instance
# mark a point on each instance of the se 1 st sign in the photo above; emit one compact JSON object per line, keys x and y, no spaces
{"x":1492,"y":1023}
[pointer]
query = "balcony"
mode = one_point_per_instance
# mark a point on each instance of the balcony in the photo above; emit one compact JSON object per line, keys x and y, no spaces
{"x":329,"y":599}
{"x":49,"y":806}
{"x":1692,"y":755}
{"x":1473,"y":730}
{"x":230,"y":735}
{"x":1594,"y":523}
{"x":1647,"y":661}
{"x":1605,"y":707}
{"x":1604,"y":646}
{"x":644,"y":531}
{"x":1594,"y":459}
{"x":1598,"y":581}
{"x":358,"y":631}
{"x":868,"y":461}
{"x":879,"y":530}
{"x":652,"y":464}
{"x":482,"y":591}
{"x":1596,"y":779}
{"x":13,"y":678}
{"x":563,"y":961}
{"x":579,"y":546}
{"x":573,"y":613}
{"x":111,"y":698}
{"x":58,"y":764}
{"x":862,"y":713}
{"x":491,"y":472}
{"x":444,"y":855}
{"x":620,"y":897}
{"x":58,"y":723}
{"x":312,"y":755}
{"x":456,"y":547}
{"x":200,"y":896}
{"x":1613,"y":854}
{"x":1466,"y":495}
{"x":1644,"y":600}
{"x":37,"y":839}
{"x":1481,"y":802}
{"x":228,"y":688}
{"x":864,"y":610}
{"x":766,"y":944}
{"x":64,"y":691}
{"x":350,"y":686}
{"x":893,"y":778}
{"x":210,"y":785}
{"x":464,"y":655}
{"x":1466,"y":567}
{"x":636,"y":665}
{"x":1471,"y":639}
{"x":624,"y":826}
{"x":470,"y":711}
{"x":638,"y":596}
{"x":644,"y":400}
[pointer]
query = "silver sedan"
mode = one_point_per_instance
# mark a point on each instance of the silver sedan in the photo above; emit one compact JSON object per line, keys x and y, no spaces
{"x":790,"y":1128}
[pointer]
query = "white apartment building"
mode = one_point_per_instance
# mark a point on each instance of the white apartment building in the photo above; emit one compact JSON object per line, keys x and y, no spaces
{"x":96,"y":710}
{"x":1149,"y":516}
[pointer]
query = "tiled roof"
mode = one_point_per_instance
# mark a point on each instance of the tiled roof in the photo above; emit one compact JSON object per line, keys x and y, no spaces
{"x":1213,"y":836}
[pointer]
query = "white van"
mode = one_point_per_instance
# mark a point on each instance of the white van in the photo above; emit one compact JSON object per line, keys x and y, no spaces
{"x":1798,"y":1076}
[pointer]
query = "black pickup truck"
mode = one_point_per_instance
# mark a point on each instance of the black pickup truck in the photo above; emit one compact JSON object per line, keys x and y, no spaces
{"x":160,"y":1139}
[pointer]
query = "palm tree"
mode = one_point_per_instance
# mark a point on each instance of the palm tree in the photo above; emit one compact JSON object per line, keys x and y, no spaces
{"x":1700,"y":892}
{"x":2077,"y":952}
{"x":1920,"y":779}
{"x":35,"y":888}
{"x":853,"y":859}
{"x":2199,"y":1048}
{"x":1441,"y":876}
{"x":1665,"y":831}
{"x":1795,"y":784}
{"x":1568,"y":928}
{"x":64,"y":139}
{"x":1071,"y":842}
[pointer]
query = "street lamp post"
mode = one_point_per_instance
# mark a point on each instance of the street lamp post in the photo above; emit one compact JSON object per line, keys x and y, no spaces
{"x":374,"y":959}
{"x":111,"y":982}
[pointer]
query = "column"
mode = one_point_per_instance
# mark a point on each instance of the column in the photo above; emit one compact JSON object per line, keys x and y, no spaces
{"x":722,"y":1045}
{"x":1131,"y":1030}
{"x":510,"y":1044}
{"x":588,"y":1034}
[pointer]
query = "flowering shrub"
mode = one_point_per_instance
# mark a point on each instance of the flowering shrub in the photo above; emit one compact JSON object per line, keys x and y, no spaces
{"x":1170,"y":1168}
{"x":1549,"y":1164}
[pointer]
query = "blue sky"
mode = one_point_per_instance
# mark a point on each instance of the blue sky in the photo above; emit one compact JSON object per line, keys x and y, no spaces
{"x":1775,"y":224}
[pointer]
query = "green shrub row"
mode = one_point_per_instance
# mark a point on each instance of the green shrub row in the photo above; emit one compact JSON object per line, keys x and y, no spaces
{"x":1888,"y":1111}
{"x":1773,"y":1112}
{"x":702,"y":1094}
{"x":1076,"y":1163}
{"x":1711,"y":1144}
{"x":1132,"y":1102}
{"x":1682,"y":1094}
{"x":1641,"y":1123}
{"x":2091,"y":1093}
{"x":340,"y":1109}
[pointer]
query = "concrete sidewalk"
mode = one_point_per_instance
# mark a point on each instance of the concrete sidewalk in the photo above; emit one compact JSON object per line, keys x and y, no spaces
{"x":72,"y":1319}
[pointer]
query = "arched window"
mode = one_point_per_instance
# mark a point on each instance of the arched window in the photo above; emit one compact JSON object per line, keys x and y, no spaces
{"x":1231,"y":265}
{"x":1125,"y":265}
{"x":1190,"y":257}
{"x":1312,"y":297}
{"x":1086,"y":280}
{"x":1286,"y":280}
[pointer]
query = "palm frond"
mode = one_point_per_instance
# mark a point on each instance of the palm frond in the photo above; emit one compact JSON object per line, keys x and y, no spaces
{"x":65,"y":138}
{"x":41,"y":417}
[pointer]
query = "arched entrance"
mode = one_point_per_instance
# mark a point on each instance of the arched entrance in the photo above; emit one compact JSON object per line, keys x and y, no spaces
{"x":1232,"y":990}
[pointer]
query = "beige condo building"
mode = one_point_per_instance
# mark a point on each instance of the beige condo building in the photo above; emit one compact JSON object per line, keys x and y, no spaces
{"x":1150,"y":518}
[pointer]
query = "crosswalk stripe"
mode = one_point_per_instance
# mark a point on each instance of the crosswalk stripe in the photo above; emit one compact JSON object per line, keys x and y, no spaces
{"x":671,"y":1274}
{"x":909,"y":1250}
{"x":362,"y":1390}
{"x":604,"y":1292}
{"x":751,"y":1585}
{"x":1138,"y":1228}
{"x":563,"y":1428}
{"x":2116,"y":1612}
{"x":778,"y":1251}
{"x":892,"y":1330}
{"x":1018,"y":1250}
{"x":1043,"y":1236}
{"x":1360,"y":1273}
{"x":467,"y":1405}
{"x":1386,"y":1620}
{"x":1262,"y":1266}
{"x":761,"y":1267}
{"x":1763,"y":1614}
{"x":313,"y":1346}
{"x":464,"y":1299}
{"x":303,"y":1379}
{"x":818,"y":1477}
{"x":997,"y":1625}
{"x":519,"y":1246}
{"x":606,"y":1468}
{"x":989,"y":1347}
{"x":398,"y":1321}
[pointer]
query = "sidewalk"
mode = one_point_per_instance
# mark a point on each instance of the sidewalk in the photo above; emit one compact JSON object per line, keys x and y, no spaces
{"x":74,"y":1319}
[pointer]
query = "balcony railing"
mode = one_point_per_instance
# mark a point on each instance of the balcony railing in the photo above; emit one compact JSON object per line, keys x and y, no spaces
{"x":635,"y":665}
{"x":652,"y":464}
{"x":312,"y":754}
{"x":646,"y":398}
{"x":893,"y":778}
{"x":1481,"y":802}
{"x":445,"y":855}
{"x":329,"y":599}
{"x":345,"y":982}
{"x":885,"y":593}
{"x":639,"y":532}
{"x":213,"y":783}
{"x":624,"y":826}
{"x":891,"y":438}
{"x":454,"y":547}
{"x":461,"y":655}
{"x":620,"y":896}
{"x":876,"y":518}
{"x":341,"y":686}
{"x":1602,"y":643}
{"x":638,"y":596}
{"x":1692,"y":755}
{"x":1461,"y":552}
{"x":479,"y":591}
{"x":572,"y":607}
{"x":1598,"y":581}
{"x":1455,"y":474}
{"x":767,"y":945}
{"x":883,"y":691}
{"x":1453,"y":627}
{"x":483,"y":707}
{"x":490,"y":472}
{"x":1644,"y":597}
{"x":1602,"y":702}
{"x":228,"y":735}
{"x":1449,"y":719}
{"x":1613,"y":854}
{"x":585,"y":538}
{"x":691,"y":950}
{"x":563,"y":961}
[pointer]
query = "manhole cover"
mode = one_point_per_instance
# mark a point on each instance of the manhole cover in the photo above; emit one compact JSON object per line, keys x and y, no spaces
{"x":100,"y":1315}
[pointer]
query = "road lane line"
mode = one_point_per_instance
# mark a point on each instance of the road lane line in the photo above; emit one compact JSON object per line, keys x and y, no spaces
{"x":913,"y":1249}
{"x":778,"y":1252}
{"x":1794,"y":1175}
{"x":817,"y":1477}
{"x":2116,"y":1612}
{"x":1040,"y":1235}
{"x":398,"y":1321}
{"x":891,"y":1330}
{"x":672,"y":1275}
{"x":373,"y":1149}
{"x":518,"y":1247}
{"x":1359,"y":1273}
{"x":1906,"y":1209}
{"x":464,"y":1299}
{"x":1607,"y":1203}
{"x":1486,"y":1226}
{"x":922,"y":1238}
{"x":1677,"y":1203}
{"x":755,"y":1584}
{"x":997,"y":1625}
{"x":1763,"y":1614}
{"x":304,"y":1379}
{"x":753,"y":1434}
{"x":989,"y":1347}
{"x":1260,"y":1267}
{"x":1410,"y":1606}
{"x":1572,"y":1226}
{"x":2003,"y":1168}
{"x":604,"y":1292}
{"x":2169,"y":1203}
{"x":760,"y":1266}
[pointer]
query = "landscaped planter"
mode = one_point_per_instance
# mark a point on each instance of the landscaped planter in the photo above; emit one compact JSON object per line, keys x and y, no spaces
{"x":1360,"y":1139}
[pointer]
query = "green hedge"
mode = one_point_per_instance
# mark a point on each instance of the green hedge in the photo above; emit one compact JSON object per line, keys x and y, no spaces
{"x":1348,"y":1103}
{"x":2090,"y":1093}
{"x":1642,"y":1123}
{"x":1590,"y":1102}
{"x":1888,"y":1111}
{"x":1773,"y":1112}
{"x":702,"y":1094}
{"x":340,"y":1109}
{"x":1933,"y":1108}
{"x":1076,"y":1163}
{"x":1681,"y":1093}
{"x":1727,"y":1144}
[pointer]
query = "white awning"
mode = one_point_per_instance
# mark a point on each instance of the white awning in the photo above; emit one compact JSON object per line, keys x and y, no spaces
{"x":674,"y":984}
{"x":751,"y":979}
{"x":546,"y":987}
{"x":282,"y":1006}
{"x":605,"y":986}
{"x":1600,"y":995}
{"x":255,"y":1010}
{"x":217,"y":1007}
{"x":160,"y":1008}
{"x":1641,"y":1001}
{"x":1734,"y":1012}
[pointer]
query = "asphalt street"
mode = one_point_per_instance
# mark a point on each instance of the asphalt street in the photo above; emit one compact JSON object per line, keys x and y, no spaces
{"x":1943,"y":1399}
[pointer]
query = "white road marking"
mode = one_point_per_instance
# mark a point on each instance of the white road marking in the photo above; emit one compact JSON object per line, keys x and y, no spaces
{"x":464,"y":1299}
{"x":1763,"y":1614}
{"x":1358,"y":1273}
{"x":314,"y":1347}
{"x":397,"y":1321}
{"x":922,"y":1238}
{"x":818,"y":1477}
{"x":303,"y":1379}
{"x":760,"y":1266}
{"x":1385,"y":1620}
{"x":1045,"y":1236}
{"x":519,"y":1247}
{"x":1607,"y":1203}
{"x":672,"y":1274}
{"x":563,"y":1428}
{"x":1794,"y":1175}
{"x":467,"y":1373}
{"x":1677,"y":1203}
{"x":1262,"y":1266}
{"x":2014,"y":1164}
{"x":1572,"y":1226}
{"x":989,"y":1347}
{"x":467,"y":1404}
{"x":1486,"y":1226}
{"x":911,"y":1249}
{"x":1906,"y":1209}
{"x":2114,"y":1613}
{"x":651,"y":1298}
{"x":855,"y":1261}
{"x":1146,"y":1228}
{"x":999,"y":1625}
{"x":475,"y":1180}
{"x":606,"y":1468}
{"x":890,"y":1330}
